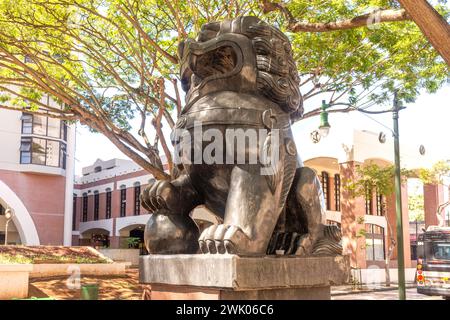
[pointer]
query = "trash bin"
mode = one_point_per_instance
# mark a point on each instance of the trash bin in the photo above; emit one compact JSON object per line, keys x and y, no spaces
{"x":89,"y":291}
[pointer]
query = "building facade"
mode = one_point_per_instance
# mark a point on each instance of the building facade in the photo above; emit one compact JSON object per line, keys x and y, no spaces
{"x":36,"y":178}
{"x":107,"y":209}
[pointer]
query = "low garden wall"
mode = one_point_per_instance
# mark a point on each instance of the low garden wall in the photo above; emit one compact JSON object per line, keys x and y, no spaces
{"x":14,"y":280}
{"x":56,"y":269}
{"x":128,"y":255}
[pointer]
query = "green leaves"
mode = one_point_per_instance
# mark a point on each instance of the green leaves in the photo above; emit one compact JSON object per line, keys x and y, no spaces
{"x":102,"y":60}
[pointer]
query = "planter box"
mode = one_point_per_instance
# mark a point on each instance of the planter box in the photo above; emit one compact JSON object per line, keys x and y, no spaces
{"x":14,"y":280}
{"x":99,"y":269}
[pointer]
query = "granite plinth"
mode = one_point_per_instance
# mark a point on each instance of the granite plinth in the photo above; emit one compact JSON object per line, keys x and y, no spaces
{"x":233,"y":277}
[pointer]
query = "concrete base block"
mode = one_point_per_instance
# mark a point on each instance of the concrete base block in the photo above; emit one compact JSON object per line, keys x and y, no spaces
{"x":14,"y":281}
{"x":230,"y":277}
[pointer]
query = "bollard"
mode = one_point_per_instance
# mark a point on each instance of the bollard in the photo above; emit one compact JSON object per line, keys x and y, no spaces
{"x":89,"y":291}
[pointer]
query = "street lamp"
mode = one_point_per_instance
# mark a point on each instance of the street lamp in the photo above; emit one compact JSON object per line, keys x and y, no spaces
{"x":8,"y":216}
{"x":324,"y":127}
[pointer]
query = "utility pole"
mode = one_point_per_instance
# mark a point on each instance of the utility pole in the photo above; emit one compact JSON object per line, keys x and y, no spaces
{"x":398,"y":204}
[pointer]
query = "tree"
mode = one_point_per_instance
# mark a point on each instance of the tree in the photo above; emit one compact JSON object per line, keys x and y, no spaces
{"x":108,"y":61}
{"x":416,"y":207}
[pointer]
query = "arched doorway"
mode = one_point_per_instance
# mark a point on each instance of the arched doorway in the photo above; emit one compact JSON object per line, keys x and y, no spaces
{"x":96,"y":237}
{"x":132,"y":237}
{"x":21,"y":230}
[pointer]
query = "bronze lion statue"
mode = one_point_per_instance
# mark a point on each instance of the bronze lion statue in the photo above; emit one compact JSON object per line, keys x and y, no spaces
{"x":242,"y":89}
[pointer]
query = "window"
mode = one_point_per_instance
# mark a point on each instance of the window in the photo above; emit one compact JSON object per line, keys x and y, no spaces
{"x":337,"y":192}
{"x":375,"y":243}
{"x":64,"y":130}
{"x":54,"y":128}
{"x":380,"y":205}
{"x":326,"y":188}
{"x":96,"y":204}
{"x":98,"y":169}
{"x":368,"y":200}
{"x":27,"y":123}
{"x":2,"y":210}
{"x":137,"y":200}
{"x":85,"y":207}
{"x":25,"y":150}
{"x":43,"y":126}
{"x":42,"y":152}
{"x":39,"y":125}
{"x":74,"y":214}
{"x":123,"y":201}
{"x":63,"y":156}
{"x":108,"y":203}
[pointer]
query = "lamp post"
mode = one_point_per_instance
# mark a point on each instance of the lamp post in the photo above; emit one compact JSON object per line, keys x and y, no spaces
{"x":398,"y":203}
{"x":325,"y":127}
{"x":8,"y":216}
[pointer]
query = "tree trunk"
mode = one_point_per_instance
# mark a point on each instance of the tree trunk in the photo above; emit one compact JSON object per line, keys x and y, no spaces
{"x":432,"y":24}
{"x":389,"y":255}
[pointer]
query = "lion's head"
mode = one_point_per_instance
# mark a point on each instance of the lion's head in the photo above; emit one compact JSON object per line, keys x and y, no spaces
{"x":243,"y":55}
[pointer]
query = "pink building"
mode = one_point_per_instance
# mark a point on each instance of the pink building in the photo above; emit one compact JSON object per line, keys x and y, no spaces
{"x":107,"y":209}
{"x":36,"y":178}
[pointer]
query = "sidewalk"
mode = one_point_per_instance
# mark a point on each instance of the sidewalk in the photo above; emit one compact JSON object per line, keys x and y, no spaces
{"x":349,"y":289}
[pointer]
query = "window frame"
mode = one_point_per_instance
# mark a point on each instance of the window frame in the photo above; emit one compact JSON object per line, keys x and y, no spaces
{"x":61,"y":154}
{"x":96,"y":205}
{"x":123,"y":201}
{"x":137,"y":199}
{"x":380,"y":204}
{"x":337,"y":192}
{"x":371,"y":235}
{"x":368,"y":201}
{"x":108,"y":209}
{"x":74,"y":212}
{"x":326,"y":189}
{"x":85,"y":206}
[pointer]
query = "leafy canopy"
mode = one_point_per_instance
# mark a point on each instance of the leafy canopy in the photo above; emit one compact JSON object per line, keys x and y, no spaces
{"x":109,"y":61}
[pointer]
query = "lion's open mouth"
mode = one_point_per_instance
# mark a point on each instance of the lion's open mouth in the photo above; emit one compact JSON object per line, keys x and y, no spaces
{"x":219,"y":61}
{"x":215,"y":62}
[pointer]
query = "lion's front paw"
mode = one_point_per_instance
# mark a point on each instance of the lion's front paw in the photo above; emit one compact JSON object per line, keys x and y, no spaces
{"x":223,"y":239}
{"x":159,"y":195}
{"x":304,"y":245}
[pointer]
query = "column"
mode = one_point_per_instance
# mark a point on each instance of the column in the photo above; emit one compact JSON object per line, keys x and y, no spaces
{"x":391,"y":217}
{"x":433,"y":196}
{"x":352,"y":212}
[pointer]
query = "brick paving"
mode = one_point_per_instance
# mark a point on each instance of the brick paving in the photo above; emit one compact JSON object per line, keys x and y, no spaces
{"x":125,"y":287}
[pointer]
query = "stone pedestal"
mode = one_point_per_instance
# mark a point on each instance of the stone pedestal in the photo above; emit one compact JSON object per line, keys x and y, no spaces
{"x":230,"y":277}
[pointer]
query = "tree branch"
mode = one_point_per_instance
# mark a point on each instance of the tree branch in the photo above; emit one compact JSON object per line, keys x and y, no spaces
{"x":364,"y":20}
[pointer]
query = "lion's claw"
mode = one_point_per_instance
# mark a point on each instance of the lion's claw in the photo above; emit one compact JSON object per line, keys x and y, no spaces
{"x":221,"y":239}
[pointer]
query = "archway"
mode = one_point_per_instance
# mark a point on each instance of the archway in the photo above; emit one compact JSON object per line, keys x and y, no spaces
{"x":22,"y":220}
{"x":132,"y":236}
{"x":95,"y":237}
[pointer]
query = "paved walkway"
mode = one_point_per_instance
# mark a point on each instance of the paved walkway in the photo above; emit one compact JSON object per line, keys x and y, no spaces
{"x":125,"y":287}
{"x":349,"y":289}
{"x":411,"y":294}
